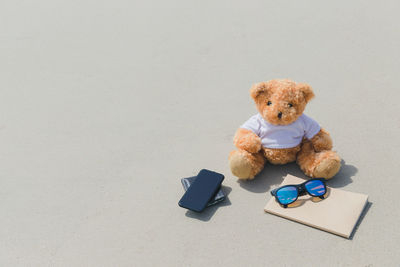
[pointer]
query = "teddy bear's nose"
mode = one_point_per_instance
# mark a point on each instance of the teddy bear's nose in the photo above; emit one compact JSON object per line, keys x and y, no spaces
{"x":280,"y":115}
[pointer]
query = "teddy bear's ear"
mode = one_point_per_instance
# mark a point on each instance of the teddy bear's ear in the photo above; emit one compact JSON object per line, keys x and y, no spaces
{"x":257,"y":89}
{"x":306,"y":90}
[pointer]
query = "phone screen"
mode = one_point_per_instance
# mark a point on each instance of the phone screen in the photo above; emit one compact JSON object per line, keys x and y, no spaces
{"x":202,"y":190}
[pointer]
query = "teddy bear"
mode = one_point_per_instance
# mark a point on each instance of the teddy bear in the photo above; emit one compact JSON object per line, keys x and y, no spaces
{"x":281,"y":133}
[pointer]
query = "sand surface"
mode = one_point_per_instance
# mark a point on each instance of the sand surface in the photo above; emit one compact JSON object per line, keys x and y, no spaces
{"x":105,"y":105}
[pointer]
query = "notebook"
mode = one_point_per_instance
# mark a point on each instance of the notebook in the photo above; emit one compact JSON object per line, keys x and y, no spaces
{"x":338,"y":213}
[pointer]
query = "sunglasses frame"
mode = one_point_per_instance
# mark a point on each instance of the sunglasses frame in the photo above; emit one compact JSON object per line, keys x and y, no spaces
{"x":301,"y":190}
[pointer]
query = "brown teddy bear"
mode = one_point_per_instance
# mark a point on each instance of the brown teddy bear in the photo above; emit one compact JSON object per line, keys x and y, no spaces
{"x":280,"y":133}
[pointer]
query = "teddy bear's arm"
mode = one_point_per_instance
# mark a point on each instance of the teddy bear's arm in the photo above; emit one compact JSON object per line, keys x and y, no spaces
{"x":322,"y":141}
{"x":247,"y":140}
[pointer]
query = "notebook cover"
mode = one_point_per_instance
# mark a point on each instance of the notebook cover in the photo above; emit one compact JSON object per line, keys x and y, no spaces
{"x":338,"y":213}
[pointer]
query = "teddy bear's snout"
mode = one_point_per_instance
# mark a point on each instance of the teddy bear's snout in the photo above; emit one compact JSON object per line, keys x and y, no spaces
{"x":279,"y":114}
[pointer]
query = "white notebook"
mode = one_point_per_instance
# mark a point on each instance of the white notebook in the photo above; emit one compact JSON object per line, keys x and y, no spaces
{"x":338,"y":213}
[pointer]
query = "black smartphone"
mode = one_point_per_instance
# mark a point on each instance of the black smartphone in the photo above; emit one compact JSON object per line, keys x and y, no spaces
{"x":202,"y":190}
{"x":219,"y":196}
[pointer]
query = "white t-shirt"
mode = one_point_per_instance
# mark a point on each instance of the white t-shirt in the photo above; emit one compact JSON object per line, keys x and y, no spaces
{"x":282,"y":136}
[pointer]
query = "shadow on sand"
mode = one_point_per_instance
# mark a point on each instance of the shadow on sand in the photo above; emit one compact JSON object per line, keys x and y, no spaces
{"x":273,"y":175}
{"x":206,"y":214}
{"x":363,"y":214}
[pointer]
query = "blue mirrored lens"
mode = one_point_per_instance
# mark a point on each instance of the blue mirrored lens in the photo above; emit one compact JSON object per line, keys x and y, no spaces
{"x":287,"y":195}
{"x":315,"y":188}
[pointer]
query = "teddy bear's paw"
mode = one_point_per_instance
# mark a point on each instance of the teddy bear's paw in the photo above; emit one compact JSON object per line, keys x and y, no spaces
{"x":327,"y":168}
{"x":241,"y":166}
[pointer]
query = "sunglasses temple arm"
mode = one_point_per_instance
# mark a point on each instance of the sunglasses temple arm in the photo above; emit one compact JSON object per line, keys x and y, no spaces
{"x":273,"y":192}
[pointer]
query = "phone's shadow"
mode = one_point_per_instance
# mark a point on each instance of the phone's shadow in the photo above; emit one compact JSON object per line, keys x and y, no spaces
{"x":207,"y":214}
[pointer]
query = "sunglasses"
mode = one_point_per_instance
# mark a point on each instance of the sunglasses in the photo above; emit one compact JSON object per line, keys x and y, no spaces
{"x":288,"y":194}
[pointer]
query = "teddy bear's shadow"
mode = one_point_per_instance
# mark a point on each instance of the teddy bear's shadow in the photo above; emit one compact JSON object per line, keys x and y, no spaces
{"x":269,"y":176}
{"x":273,"y":175}
{"x":343,"y":177}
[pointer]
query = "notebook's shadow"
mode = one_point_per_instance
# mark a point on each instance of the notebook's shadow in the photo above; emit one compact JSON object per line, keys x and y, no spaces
{"x":360,"y":219}
{"x":206,"y":214}
{"x":272,"y":175}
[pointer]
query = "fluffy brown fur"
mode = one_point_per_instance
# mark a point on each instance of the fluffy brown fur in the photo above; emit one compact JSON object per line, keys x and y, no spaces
{"x":288,"y":99}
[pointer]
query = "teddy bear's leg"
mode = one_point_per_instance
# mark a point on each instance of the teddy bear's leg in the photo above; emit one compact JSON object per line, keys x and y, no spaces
{"x":324,"y":164}
{"x":246,"y":165}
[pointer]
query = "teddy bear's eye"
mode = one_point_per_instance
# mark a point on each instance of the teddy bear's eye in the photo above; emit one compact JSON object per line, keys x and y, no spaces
{"x":269,"y":103}
{"x":290,"y":105}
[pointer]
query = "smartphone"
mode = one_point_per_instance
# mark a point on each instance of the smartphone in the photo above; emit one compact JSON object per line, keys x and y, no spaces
{"x":202,"y":190}
{"x":219,"y":196}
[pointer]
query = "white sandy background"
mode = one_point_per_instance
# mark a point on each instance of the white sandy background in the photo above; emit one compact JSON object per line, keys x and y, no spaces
{"x":105,"y":105}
